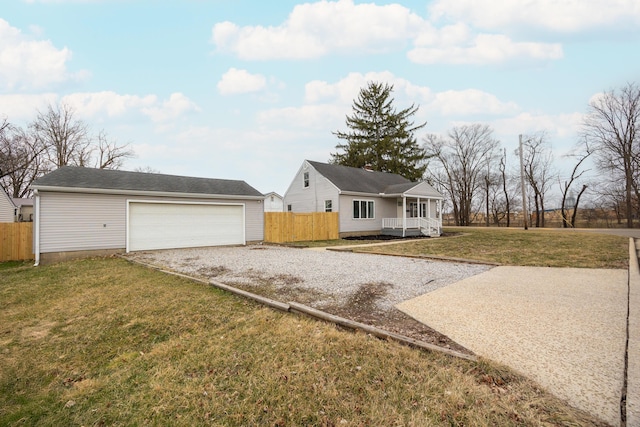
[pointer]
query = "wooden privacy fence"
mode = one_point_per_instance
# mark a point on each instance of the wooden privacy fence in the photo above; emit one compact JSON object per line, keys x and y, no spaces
{"x":280,"y":227}
{"x":16,"y":241}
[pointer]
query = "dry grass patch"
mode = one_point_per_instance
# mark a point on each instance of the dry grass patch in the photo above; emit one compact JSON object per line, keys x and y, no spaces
{"x":538,"y":248}
{"x":126,"y":345}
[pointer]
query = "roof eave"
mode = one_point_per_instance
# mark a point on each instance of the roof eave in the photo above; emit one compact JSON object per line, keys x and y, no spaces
{"x":58,"y":189}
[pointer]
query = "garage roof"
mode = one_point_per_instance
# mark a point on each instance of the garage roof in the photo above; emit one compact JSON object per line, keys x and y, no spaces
{"x":73,"y":177}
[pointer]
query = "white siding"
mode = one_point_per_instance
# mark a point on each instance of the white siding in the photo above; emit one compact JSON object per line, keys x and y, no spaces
{"x":77,"y":222}
{"x":311,"y":198}
{"x":254,"y":219}
{"x":81,"y":221}
{"x":7,"y":209}
{"x":273,"y":203}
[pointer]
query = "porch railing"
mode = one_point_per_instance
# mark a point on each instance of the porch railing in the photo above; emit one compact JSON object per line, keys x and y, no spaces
{"x":428,"y":226}
{"x":431,"y":226}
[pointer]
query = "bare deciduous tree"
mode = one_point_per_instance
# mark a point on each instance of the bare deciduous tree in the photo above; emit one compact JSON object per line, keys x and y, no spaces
{"x":538,"y":165}
{"x":460,"y":162}
{"x":611,"y":128}
{"x":66,"y":138}
{"x":565,"y":187}
{"x":110,"y":155}
{"x":20,"y":160}
{"x":54,"y":139}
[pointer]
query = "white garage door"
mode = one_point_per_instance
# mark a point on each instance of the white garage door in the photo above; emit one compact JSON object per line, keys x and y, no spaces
{"x":183,"y":225}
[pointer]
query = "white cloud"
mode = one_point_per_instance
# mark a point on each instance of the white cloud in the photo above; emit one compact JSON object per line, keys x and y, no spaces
{"x":175,"y":106}
{"x":316,"y":29}
{"x":92,"y":105}
{"x":483,"y":49}
{"x":89,"y":104}
{"x":470,"y":102}
{"x":313,"y":30}
{"x":565,"y":126}
{"x":345,"y":90}
{"x":562,"y":16}
{"x":23,"y":108}
{"x":236,"y":81}
{"x":31,"y":64}
{"x":327,"y":104}
{"x":316,"y":117}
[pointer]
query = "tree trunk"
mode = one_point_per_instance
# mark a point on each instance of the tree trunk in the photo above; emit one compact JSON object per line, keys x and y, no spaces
{"x":575,"y":208}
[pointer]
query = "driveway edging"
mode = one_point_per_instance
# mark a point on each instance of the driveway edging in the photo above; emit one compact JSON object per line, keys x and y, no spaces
{"x":293,"y":307}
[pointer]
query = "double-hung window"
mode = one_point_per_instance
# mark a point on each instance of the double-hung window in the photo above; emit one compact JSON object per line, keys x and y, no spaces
{"x":363,"y":209}
{"x":305,"y":179}
{"x":328,"y":206}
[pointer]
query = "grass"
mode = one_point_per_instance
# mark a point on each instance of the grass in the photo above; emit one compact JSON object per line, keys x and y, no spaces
{"x":541,"y":248}
{"x":105,"y":342}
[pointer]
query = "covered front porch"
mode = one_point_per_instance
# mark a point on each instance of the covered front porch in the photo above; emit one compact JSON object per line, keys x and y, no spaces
{"x":416,"y":216}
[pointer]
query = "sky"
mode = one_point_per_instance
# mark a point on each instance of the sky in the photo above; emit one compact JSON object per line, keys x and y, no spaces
{"x":248,"y":90}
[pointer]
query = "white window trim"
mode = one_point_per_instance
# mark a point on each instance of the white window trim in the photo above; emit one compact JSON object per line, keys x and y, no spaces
{"x":306,"y":180}
{"x":330,"y":207}
{"x":360,"y":201}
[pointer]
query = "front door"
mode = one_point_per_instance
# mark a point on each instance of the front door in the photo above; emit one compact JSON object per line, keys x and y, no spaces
{"x":413,"y":210}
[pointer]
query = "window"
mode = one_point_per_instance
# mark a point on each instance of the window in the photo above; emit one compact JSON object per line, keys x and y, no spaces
{"x":328,"y":205}
{"x":305,"y":179}
{"x":288,"y":208}
{"x":363,"y":209}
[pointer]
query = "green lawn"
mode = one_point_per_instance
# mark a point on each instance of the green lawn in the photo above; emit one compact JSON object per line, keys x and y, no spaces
{"x":105,"y":342}
{"x":543,"y":248}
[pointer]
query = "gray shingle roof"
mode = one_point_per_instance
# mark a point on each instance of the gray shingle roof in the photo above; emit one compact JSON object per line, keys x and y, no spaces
{"x":359,"y":180}
{"x":80,"y":177}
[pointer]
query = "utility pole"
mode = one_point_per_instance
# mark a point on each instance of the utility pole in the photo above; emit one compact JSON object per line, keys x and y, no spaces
{"x":524,"y":189}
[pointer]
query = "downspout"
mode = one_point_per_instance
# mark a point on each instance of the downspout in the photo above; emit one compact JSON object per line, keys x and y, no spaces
{"x":36,"y":227}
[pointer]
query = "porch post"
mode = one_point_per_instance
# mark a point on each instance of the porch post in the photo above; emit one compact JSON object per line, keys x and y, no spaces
{"x":404,"y":215}
{"x":429,"y":210}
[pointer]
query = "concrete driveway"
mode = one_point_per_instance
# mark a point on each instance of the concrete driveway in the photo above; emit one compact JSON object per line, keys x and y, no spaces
{"x":563,"y":327}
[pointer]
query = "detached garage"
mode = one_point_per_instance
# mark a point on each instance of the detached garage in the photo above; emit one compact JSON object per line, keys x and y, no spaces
{"x":82,"y":211}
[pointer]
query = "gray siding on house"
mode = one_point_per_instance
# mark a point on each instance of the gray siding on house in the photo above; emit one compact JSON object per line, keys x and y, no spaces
{"x":7,"y":209}
{"x":311,"y":198}
{"x":384,"y":208}
{"x":86,"y":221}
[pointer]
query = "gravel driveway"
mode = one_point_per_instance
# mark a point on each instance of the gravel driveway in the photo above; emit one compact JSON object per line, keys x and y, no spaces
{"x":318,"y":278}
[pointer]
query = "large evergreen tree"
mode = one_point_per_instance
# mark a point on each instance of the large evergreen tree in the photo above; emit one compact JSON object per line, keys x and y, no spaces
{"x":381,"y":136}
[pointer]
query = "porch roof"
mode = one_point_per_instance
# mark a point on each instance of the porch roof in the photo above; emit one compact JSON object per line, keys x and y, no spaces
{"x":412,"y":189}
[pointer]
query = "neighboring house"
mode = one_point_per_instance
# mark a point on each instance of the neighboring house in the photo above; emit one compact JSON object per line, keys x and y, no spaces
{"x":8,"y":209}
{"x":368,"y":202}
{"x":83,"y":211}
{"x":273,"y":202}
{"x":25,"y":209}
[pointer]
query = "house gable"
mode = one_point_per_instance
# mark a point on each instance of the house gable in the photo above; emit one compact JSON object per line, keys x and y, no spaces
{"x":310,"y":190}
{"x":412,"y":189}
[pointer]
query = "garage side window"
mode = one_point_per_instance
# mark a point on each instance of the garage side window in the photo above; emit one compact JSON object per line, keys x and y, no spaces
{"x":328,"y":206}
{"x":305,"y":179}
{"x":363,"y":209}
